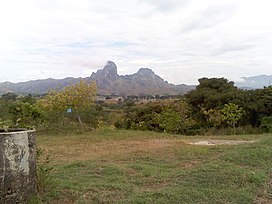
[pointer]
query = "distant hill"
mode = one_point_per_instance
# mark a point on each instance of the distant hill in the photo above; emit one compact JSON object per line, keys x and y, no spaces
{"x":144,"y":82}
{"x":255,"y":82}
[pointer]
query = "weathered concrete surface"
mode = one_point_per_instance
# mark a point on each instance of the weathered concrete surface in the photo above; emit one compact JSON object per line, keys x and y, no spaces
{"x":17,"y":166}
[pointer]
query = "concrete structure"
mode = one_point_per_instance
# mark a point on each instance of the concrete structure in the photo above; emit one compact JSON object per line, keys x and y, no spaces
{"x":17,"y":166}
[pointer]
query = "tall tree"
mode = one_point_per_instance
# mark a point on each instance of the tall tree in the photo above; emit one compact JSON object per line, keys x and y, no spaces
{"x":211,"y":93}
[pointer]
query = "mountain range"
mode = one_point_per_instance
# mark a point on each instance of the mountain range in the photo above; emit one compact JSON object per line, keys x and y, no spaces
{"x":144,"y":82}
{"x":255,"y":82}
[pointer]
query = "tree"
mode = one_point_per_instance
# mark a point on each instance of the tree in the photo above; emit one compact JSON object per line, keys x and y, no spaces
{"x":232,"y":114}
{"x":211,"y":93}
{"x":79,"y":98}
{"x":265,"y":96}
{"x":9,"y":96}
{"x":256,"y":105}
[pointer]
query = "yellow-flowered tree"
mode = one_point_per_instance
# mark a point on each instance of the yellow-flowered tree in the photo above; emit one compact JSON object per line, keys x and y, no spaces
{"x":76,"y":98}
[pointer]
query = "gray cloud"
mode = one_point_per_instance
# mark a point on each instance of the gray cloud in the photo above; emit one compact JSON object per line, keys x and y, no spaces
{"x":210,"y":17}
{"x":226,"y":48}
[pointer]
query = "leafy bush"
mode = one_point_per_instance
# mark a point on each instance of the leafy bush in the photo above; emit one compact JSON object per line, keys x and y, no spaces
{"x":5,"y":124}
{"x":164,"y":116}
{"x":25,"y":114}
{"x":266,"y":124}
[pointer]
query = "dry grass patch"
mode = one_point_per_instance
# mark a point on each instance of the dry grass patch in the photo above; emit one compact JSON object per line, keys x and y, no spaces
{"x":69,"y":150}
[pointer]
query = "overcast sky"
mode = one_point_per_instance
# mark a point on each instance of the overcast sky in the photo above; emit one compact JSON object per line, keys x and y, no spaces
{"x":180,"y":40}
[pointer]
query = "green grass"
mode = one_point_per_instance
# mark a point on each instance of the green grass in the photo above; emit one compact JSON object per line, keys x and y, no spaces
{"x":152,"y":169}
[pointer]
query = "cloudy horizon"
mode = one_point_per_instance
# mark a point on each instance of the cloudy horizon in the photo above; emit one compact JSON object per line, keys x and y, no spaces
{"x":180,"y":40}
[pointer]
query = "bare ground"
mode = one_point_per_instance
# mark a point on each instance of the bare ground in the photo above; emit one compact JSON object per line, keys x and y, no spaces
{"x":219,"y":142}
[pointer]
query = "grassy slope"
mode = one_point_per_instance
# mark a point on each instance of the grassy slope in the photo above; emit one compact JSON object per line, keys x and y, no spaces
{"x":109,"y":166}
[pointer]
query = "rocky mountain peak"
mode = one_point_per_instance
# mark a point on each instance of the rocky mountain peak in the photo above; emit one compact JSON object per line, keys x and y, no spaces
{"x":109,"y":71}
{"x":110,"y":67}
{"x":145,"y":72}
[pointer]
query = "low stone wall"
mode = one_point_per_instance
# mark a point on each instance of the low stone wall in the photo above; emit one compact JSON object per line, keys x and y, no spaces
{"x":17,"y":166}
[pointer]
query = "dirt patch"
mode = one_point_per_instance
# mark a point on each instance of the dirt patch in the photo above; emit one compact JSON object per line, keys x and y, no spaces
{"x":219,"y":142}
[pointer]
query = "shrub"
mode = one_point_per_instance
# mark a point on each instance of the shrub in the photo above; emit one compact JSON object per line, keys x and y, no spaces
{"x":266,"y":124}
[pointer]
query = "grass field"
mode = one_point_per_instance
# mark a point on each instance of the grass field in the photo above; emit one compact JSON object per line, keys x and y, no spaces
{"x":110,"y":166}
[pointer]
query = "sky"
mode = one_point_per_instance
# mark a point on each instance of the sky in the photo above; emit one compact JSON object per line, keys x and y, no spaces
{"x":180,"y":40}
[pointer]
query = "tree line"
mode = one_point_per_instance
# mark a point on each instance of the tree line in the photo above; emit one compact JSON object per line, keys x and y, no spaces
{"x":215,"y":106}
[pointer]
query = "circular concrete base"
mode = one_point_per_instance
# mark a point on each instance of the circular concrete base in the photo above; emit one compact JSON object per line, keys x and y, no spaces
{"x":17,"y":166}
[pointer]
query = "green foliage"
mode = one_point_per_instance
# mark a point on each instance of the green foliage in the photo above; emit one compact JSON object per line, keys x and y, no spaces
{"x":250,"y":101}
{"x":169,"y":121}
{"x":210,"y":94}
{"x":25,"y":114}
{"x":80,"y":98}
{"x":20,"y":112}
{"x":9,"y":96}
{"x":44,"y":174}
{"x":214,"y":117}
{"x":29,"y":99}
{"x":256,"y":105}
{"x":232,"y":114}
{"x":142,"y":117}
{"x":266,"y":124}
{"x":265,"y":97}
{"x":176,"y":118}
{"x":5,"y":125}
{"x":4,"y":109}
{"x":168,"y":116}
